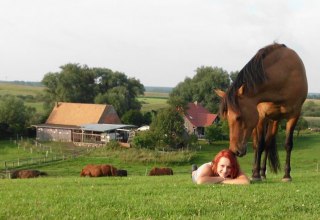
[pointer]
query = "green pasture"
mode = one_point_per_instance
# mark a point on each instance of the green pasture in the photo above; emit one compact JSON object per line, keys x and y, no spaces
{"x":15,"y":89}
{"x":153,"y":103}
{"x":156,"y":94}
{"x":65,"y":195}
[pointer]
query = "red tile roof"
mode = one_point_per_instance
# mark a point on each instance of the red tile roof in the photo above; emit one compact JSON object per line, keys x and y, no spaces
{"x":199,"y":116}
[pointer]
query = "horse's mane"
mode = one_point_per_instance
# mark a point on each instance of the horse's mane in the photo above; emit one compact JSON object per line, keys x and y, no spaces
{"x":251,"y":75}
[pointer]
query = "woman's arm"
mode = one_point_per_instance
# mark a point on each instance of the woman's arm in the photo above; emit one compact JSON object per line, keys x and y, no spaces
{"x":209,"y":179}
{"x":204,"y":175}
{"x":241,"y":179}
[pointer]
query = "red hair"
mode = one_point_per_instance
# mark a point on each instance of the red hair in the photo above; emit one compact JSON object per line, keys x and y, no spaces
{"x":235,"y":168}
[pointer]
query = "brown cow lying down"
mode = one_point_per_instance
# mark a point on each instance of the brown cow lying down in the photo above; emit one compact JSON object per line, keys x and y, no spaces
{"x":27,"y":174}
{"x":155,"y":171}
{"x":98,"y":170}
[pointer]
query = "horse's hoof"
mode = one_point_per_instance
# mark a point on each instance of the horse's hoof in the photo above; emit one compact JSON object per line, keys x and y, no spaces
{"x":263,"y":177}
{"x":286,"y":180}
{"x":255,"y":179}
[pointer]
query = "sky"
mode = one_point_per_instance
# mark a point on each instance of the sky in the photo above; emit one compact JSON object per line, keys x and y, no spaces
{"x":159,"y":42}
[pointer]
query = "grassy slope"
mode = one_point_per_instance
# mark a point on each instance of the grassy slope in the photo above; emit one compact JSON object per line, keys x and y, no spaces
{"x":137,"y":196}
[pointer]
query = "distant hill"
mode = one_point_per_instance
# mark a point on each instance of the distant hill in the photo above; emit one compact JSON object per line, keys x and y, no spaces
{"x":158,"y":89}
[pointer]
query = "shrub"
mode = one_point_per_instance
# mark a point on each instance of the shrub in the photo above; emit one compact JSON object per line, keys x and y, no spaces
{"x":144,"y":139}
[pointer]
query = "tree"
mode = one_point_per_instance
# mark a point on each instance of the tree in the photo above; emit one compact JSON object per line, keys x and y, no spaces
{"x":216,"y":132}
{"x":75,"y":83}
{"x":15,"y":117}
{"x":133,"y":117}
{"x":168,"y":127}
{"x":311,"y":108}
{"x":201,"y":88}
{"x":301,"y":125}
{"x":117,"y":89}
{"x":233,"y":75}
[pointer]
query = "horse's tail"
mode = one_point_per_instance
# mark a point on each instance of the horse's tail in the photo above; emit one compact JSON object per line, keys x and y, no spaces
{"x":273,"y":156}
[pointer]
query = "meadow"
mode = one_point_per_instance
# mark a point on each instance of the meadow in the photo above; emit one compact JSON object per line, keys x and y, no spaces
{"x":65,"y":195}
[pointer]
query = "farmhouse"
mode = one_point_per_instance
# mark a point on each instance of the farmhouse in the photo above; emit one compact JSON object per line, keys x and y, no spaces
{"x":83,"y":124}
{"x":196,"y":118}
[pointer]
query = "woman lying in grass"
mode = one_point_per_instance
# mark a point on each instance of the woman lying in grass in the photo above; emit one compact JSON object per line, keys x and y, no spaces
{"x":224,"y":168}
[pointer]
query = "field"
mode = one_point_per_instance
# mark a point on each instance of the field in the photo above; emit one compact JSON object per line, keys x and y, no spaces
{"x":150,"y":100}
{"x":63,"y":194}
{"x":153,"y":103}
{"x":14,"y":89}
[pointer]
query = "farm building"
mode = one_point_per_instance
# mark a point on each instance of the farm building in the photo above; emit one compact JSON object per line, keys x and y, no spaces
{"x":196,"y":118}
{"x":83,"y":123}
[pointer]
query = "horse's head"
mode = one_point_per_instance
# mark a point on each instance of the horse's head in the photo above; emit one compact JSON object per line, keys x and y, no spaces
{"x":242,"y":119}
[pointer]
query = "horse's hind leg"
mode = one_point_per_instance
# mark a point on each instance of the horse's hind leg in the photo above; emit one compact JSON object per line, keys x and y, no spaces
{"x":288,"y":146}
{"x":263,"y":168}
{"x":270,"y":134}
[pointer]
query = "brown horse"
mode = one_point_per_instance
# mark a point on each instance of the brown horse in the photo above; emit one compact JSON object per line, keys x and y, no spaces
{"x":155,"y":171}
{"x":22,"y":174}
{"x":272,"y":86}
{"x":98,"y":170}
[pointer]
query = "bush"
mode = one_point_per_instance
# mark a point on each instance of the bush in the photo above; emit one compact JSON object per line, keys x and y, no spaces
{"x":144,"y":139}
{"x":214,"y":133}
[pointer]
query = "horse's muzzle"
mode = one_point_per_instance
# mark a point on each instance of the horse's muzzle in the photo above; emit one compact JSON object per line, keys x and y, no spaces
{"x":241,"y":153}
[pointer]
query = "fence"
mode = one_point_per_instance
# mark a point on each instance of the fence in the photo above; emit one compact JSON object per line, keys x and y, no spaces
{"x":28,"y":162}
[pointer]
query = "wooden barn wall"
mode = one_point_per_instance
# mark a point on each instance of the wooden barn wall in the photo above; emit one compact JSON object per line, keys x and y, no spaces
{"x":54,"y":134}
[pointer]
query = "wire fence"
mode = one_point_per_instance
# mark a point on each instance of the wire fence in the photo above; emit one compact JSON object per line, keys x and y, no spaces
{"x":48,"y":157}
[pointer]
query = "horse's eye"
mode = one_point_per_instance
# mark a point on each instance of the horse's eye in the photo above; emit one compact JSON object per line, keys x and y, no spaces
{"x":238,"y":118}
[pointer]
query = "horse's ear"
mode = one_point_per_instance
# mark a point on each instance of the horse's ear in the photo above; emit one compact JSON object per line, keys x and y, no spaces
{"x":240,"y":90}
{"x":220,"y":93}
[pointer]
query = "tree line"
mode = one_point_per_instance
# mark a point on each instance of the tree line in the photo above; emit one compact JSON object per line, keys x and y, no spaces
{"x":82,"y":84}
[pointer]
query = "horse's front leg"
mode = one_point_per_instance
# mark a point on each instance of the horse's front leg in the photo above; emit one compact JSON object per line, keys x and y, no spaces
{"x":259,"y":146}
{"x":271,"y":129}
{"x":288,"y":146}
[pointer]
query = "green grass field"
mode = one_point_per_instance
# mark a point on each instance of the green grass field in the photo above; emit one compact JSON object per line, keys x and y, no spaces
{"x":65,"y":195}
{"x":14,"y":89}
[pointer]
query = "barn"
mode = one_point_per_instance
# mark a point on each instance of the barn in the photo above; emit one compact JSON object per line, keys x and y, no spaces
{"x":83,"y":124}
{"x":196,"y":118}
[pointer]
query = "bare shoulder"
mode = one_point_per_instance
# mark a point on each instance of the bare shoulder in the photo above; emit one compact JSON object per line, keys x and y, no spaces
{"x":205,"y":170}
